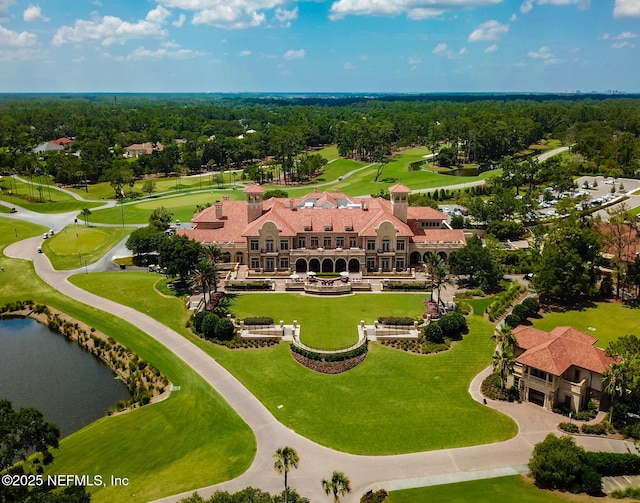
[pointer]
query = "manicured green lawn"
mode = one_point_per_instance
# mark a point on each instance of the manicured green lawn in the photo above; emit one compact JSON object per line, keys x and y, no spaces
{"x":161,"y":448}
{"x":610,"y":320}
{"x":182,"y":207}
{"x":514,"y":488}
{"x":329,"y":322}
{"x":55,"y":201}
{"x":406,"y":396}
{"x":76,"y":245}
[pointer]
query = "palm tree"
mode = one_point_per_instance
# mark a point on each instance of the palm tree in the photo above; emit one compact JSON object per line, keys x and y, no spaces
{"x":85,"y":214}
{"x":439,"y":279}
{"x":504,"y":338}
{"x":203,"y":275}
{"x":503,"y":363}
{"x":339,"y":485}
{"x":614,"y":381}
{"x":214,"y":255}
{"x":286,"y":458}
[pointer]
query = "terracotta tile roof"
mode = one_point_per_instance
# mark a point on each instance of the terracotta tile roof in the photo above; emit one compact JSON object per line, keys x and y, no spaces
{"x":255,"y":189}
{"x":64,"y":142}
{"x":399,"y":188}
{"x":556,"y":351}
{"x":424,"y":213}
{"x":439,"y":236}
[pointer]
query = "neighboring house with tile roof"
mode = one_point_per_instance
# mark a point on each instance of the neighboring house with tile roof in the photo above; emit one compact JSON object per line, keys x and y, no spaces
{"x":325,"y":232}
{"x":137,"y":149}
{"x":53,"y":146}
{"x":558,"y":368}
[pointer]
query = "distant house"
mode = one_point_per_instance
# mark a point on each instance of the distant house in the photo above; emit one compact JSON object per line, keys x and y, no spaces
{"x":53,"y":146}
{"x":558,"y":368}
{"x":137,"y":149}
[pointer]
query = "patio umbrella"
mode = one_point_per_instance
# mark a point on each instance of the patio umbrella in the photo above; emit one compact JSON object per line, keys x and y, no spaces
{"x":344,"y":274}
{"x":294,"y":276}
{"x":311,"y":273}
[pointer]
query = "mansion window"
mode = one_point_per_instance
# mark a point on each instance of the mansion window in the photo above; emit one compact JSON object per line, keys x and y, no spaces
{"x":400,"y":245}
{"x":269,"y":245}
{"x":284,"y":244}
{"x":340,"y":242}
{"x":269,"y":264}
{"x":253,"y":245}
{"x":371,"y":264}
{"x":255,"y":263}
{"x":314,"y":241}
{"x":353,"y":243}
{"x":302,"y":242}
{"x":371,"y":244}
{"x":327,"y":242}
{"x":385,"y":264}
{"x":386,"y":245}
{"x":284,"y":263}
{"x":538,"y":373}
{"x":400,"y":264}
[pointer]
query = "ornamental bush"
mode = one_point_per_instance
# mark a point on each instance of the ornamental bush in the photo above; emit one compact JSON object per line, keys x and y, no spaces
{"x":512,"y":320}
{"x":557,"y":463}
{"x":224,"y":329}
{"x":532,"y":305}
{"x":433,"y":333}
{"x":209,"y":326}
{"x":453,"y":325}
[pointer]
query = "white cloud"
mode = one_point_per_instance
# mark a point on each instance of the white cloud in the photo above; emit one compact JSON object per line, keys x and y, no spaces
{"x":22,"y":54}
{"x":142,"y":53}
{"x":284,"y":16}
{"x":413,"y":61}
{"x":491,"y":48}
{"x":513,"y":18}
{"x":77,"y":61}
{"x":110,"y":29}
{"x":244,"y":53}
{"x":489,"y":31}
{"x":364,"y":57}
{"x":443,"y":49}
{"x":604,"y":37}
{"x":229,"y":14}
{"x":4,"y":6}
{"x":625,"y":35}
{"x":627,"y":8}
{"x":294,"y":54}
{"x":414,"y":9}
{"x":34,"y":13}
{"x":348,"y":66}
{"x":180,"y":21}
{"x":527,"y":6}
{"x":545,"y":55}
{"x":623,"y":45}
{"x":9,"y":38}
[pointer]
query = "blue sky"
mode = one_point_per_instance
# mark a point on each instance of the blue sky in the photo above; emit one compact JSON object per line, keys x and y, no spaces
{"x":319,"y":46}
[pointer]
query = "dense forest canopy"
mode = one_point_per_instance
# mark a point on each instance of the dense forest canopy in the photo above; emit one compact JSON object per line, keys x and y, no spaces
{"x":220,"y":132}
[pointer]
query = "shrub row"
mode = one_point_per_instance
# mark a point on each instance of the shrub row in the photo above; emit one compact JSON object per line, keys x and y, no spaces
{"x":527,"y":308}
{"x":19,"y":305}
{"x":451,"y":326}
{"x":503,"y":301}
{"x":396,"y":285}
{"x":330,"y":357}
{"x":614,"y":464}
{"x":256,"y":285}
{"x":258,"y":320}
{"x":569,"y":427}
{"x":395,"y":320}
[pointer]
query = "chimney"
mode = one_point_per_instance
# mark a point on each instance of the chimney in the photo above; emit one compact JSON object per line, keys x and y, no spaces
{"x":290,"y":204}
{"x":218,"y":206}
{"x":336,"y":189}
{"x":315,"y":189}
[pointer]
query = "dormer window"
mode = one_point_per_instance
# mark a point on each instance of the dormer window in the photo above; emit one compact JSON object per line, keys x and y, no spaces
{"x":328,"y":228}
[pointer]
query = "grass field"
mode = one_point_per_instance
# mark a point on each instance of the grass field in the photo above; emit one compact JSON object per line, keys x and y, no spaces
{"x":55,"y":201}
{"x":514,"y":488}
{"x":77,"y":245}
{"x":610,"y":320}
{"x":161,"y":448}
{"x":329,"y":322}
{"x":403,"y":394}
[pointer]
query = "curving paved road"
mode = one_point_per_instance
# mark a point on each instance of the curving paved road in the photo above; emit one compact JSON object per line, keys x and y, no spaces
{"x":318,"y":462}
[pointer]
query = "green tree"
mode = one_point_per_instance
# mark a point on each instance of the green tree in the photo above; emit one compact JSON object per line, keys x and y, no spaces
{"x":145,"y":240}
{"x":338,"y":485}
{"x":149,"y":187}
{"x":160,"y":218}
{"x":503,"y":363}
{"x":480,"y":263}
{"x":179,"y":255}
{"x":203,"y":275}
{"x":286,"y":459}
{"x":557,"y":463}
{"x":85,"y":212}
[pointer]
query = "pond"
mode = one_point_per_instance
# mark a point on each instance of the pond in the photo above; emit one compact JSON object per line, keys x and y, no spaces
{"x":40,"y":368}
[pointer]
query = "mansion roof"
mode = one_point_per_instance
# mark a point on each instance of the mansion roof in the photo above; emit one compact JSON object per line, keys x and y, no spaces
{"x":328,"y":212}
{"x":556,"y":351}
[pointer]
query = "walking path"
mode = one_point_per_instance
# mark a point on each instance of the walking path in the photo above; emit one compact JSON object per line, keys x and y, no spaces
{"x":318,"y":462}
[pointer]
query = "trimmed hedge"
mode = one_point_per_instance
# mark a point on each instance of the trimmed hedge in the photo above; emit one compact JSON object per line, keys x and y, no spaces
{"x":330,"y":357}
{"x":258,"y":320}
{"x":405,"y":286}
{"x":503,"y":301}
{"x":569,"y":427}
{"x":256,"y":285}
{"x":614,"y":464}
{"x":593,"y":429}
{"x":395,"y":320}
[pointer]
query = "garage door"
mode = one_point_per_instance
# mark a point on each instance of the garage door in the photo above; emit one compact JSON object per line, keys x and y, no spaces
{"x":536,"y":397}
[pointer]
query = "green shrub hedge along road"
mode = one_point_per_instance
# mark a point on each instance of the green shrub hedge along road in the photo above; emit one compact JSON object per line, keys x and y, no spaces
{"x":60,"y":202}
{"x":76,"y":244}
{"x":610,"y":320}
{"x":419,"y":402}
{"x":329,"y":322}
{"x":190,"y":440}
{"x":486,"y":491}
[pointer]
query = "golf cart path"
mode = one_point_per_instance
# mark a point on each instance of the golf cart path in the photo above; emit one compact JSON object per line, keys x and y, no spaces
{"x":318,"y":462}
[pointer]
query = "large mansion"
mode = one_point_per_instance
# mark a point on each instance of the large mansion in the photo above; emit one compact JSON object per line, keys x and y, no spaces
{"x":325,"y":232}
{"x":558,"y":368}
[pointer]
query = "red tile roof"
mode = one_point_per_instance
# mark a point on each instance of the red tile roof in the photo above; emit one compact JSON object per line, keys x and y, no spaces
{"x":556,"y":351}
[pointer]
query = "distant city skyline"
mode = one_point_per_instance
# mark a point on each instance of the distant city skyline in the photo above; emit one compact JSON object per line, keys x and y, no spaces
{"x":386,"y":46}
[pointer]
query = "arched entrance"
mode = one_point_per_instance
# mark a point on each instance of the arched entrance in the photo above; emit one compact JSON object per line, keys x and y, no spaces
{"x":301,"y":265}
{"x":341,"y":265}
{"x":354,"y":265}
{"x":226,"y":257}
{"x":240,"y":258}
{"x":443,"y":256}
{"x":327,"y":265}
{"x":414,"y":259}
{"x":425,"y":257}
{"x":314,"y":265}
